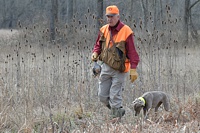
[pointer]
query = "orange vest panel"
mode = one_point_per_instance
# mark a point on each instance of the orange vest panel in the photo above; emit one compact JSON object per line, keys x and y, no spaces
{"x":119,"y":38}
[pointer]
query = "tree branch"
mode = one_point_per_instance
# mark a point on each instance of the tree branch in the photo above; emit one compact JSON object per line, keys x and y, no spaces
{"x":193,"y":5}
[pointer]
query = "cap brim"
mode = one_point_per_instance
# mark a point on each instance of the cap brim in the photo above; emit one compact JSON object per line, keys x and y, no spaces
{"x":111,"y":15}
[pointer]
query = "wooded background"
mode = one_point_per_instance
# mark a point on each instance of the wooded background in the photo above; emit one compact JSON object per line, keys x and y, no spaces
{"x":184,"y":12}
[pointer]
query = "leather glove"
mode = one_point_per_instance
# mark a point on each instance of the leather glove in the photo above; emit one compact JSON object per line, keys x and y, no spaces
{"x":133,"y":75}
{"x":94,"y":56}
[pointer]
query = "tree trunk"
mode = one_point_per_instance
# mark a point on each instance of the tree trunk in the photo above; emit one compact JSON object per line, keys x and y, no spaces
{"x":193,"y":29}
{"x":145,"y":10}
{"x":186,"y":22}
{"x":4,"y":9}
{"x":54,"y":18}
{"x":99,"y":13}
{"x":70,"y":10}
{"x":155,"y":14}
{"x":12,"y":11}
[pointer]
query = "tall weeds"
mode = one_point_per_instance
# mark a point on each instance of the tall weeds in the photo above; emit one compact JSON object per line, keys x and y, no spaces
{"x":49,"y":86}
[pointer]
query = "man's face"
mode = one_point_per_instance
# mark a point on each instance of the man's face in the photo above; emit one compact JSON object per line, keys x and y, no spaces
{"x":112,"y":20}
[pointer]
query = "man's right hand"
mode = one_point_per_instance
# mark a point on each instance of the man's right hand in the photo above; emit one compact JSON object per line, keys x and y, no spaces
{"x":94,"y":56}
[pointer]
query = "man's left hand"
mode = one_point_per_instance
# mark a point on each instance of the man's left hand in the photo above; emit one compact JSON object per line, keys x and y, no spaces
{"x":133,"y":75}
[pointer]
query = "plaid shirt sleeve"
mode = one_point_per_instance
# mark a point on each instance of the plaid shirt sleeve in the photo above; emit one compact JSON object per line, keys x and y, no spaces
{"x":131,"y":52}
{"x":97,"y":46}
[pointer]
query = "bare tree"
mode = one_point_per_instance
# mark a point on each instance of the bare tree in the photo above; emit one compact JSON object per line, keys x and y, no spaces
{"x":12,"y":12}
{"x":4,"y":9}
{"x":187,"y":20}
{"x":54,"y":18}
{"x":145,"y":4}
{"x":194,"y":32}
{"x":70,"y":10}
{"x":99,"y":12}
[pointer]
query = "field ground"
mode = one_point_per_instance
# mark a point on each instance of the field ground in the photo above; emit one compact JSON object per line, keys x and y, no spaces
{"x":45,"y":88}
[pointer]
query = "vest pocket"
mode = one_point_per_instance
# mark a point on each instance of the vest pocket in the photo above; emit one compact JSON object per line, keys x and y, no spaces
{"x":114,"y":57}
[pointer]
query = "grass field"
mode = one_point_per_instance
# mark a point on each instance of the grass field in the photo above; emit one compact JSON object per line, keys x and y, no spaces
{"x":46,"y":87}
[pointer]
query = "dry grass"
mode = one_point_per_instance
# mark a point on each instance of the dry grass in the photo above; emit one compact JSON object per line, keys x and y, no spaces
{"x":48,"y":86}
{"x":8,"y":34}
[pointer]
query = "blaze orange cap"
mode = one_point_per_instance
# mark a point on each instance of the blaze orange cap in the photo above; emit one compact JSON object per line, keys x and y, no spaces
{"x":112,"y":10}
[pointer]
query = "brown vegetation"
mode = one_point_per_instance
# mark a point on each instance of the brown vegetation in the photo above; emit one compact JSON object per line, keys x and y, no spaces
{"x":47,"y":85}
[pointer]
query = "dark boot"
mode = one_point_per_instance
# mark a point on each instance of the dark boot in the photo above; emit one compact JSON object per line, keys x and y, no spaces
{"x":122,"y":110}
{"x":108,"y":106}
{"x":117,"y":112}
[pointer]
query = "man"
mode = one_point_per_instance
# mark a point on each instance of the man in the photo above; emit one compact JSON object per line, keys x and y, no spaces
{"x":112,"y":81}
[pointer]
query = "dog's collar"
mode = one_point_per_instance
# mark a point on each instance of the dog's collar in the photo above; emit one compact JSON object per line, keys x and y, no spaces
{"x":142,"y":99}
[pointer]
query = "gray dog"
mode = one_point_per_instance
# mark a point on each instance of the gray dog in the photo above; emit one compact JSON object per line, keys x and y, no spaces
{"x":151,"y":99}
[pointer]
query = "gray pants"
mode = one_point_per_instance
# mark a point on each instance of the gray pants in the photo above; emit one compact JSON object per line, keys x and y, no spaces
{"x":111,"y":85}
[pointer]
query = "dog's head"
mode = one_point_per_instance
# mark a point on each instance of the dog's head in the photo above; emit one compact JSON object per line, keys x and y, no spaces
{"x":138,"y":104}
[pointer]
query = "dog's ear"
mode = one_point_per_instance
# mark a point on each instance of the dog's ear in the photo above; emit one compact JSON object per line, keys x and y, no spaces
{"x":141,"y":102}
{"x":135,"y":101}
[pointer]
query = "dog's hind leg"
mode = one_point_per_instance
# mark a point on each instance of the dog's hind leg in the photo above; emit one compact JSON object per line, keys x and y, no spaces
{"x":155,"y":116}
{"x":166,"y":104}
{"x":158,"y":105}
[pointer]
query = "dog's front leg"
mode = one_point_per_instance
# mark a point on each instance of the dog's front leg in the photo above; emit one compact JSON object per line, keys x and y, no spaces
{"x":145,"y":113}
